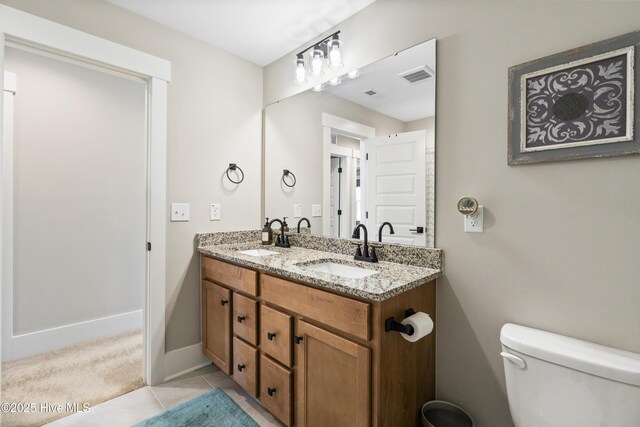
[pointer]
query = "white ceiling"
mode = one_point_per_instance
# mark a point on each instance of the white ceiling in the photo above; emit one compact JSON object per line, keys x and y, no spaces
{"x":259,"y":31}
{"x":395,"y":96}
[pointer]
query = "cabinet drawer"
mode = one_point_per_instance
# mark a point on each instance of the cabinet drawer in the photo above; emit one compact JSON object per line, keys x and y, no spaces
{"x":275,"y":389}
{"x":275,"y":335}
{"x":230,"y":275}
{"x":345,"y":314}
{"x":245,"y":318}
{"x":245,"y":366}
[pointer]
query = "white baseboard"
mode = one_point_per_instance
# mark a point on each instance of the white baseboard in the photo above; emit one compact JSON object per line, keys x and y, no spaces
{"x":66,"y":336}
{"x":183,"y":360}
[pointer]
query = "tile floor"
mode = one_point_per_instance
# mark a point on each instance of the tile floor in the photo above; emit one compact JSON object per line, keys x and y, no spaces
{"x":148,"y":401}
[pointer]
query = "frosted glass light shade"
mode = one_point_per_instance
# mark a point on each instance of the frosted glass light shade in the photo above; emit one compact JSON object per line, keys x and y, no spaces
{"x":335,"y":81}
{"x":316,"y":63}
{"x":335,"y":55}
{"x":301,"y":71}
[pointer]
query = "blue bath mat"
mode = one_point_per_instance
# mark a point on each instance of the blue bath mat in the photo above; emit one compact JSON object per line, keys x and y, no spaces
{"x":212,"y":409}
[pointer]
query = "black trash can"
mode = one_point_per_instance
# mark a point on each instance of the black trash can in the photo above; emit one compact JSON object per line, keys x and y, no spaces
{"x":439,"y":413}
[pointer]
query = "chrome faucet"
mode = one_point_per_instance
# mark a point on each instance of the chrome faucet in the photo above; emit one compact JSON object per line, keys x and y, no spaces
{"x":282,"y":241}
{"x":300,"y":222}
{"x":380,"y":230}
{"x":365,"y":255}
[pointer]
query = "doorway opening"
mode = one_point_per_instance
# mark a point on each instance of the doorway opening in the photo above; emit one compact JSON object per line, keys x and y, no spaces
{"x":78,"y":236}
{"x":30,"y":33}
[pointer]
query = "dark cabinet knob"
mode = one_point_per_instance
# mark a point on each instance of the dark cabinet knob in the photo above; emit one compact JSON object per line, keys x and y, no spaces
{"x":224,"y":301}
{"x":271,"y":391}
{"x":297,"y":339}
{"x":271,"y":336}
{"x":241,"y":318}
{"x":241,"y":367}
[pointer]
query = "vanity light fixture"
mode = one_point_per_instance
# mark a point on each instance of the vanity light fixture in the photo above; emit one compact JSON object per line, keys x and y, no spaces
{"x":327,"y":50}
{"x":353,"y":74}
{"x":318,"y":88}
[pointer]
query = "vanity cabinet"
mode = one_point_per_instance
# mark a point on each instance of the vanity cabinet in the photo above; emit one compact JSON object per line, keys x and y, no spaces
{"x":314,"y":357}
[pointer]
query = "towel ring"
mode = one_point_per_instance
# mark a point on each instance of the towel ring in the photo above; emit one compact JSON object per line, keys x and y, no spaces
{"x":233,"y":167}
{"x":285,"y":173}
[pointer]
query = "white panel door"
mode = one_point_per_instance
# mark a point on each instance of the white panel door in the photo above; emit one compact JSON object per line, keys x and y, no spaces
{"x":394,"y":186}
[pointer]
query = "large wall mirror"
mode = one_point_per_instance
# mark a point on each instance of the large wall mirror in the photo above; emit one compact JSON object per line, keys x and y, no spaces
{"x":359,"y":151}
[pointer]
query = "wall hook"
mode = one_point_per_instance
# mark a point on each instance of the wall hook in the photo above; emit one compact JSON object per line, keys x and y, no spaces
{"x":286,"y":173}
{"x":234,"y":167}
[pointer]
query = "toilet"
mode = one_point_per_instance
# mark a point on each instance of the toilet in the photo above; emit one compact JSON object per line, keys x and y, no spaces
{"x":557,"y":381}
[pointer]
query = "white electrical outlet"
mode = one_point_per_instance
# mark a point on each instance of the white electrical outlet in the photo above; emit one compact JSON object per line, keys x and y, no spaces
{"x":215,"y":212}
{"x":297,"y":211}
{"x":474,"y":223}
{"x":179,"y":211}
{"x":316,"y":210}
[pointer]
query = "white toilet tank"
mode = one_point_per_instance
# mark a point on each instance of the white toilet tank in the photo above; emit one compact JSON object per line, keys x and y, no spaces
{"x":557,"y":381}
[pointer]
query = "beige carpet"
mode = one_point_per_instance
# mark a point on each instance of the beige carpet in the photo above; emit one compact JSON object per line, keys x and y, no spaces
{"x":92,"y":372}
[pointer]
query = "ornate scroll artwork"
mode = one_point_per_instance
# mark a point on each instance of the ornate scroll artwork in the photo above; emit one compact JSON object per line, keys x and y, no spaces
{"x":576,"y":104}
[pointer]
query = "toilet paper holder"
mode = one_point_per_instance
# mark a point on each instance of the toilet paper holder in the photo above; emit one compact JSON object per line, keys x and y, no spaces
{"x":391,"y":324}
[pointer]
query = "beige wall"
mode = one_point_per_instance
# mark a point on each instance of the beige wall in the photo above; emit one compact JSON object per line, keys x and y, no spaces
{"x":293,"y":140}
{"x":214,"y":118}
{"x":79,"y":230}
{"x":560,"y":249}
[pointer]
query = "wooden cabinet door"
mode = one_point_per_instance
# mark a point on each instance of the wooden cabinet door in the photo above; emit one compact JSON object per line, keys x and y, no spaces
{"x":332,"y":380}
{"x":216,"y":325}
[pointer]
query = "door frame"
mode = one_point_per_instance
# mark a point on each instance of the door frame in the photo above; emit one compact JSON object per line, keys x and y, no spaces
{"x":337,"y":125}
{"x":18,"y":28}
{"x":344,"y":183}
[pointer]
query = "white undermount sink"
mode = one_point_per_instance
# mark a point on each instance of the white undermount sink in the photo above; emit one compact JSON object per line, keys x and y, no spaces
{"x":258,"y":252}
{"x":341,"y":270}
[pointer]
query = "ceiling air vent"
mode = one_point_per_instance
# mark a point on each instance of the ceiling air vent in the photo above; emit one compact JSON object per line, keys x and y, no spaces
{"x":371,"y":92}
{"x":417,"y":75}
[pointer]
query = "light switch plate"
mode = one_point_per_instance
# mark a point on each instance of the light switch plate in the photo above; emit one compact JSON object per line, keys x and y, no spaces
{"x":474,"y":223}
{"x":297,"y":211}
{"x":316,"y":210}
{"x":216,"y":213}
{"x":179,"y":211}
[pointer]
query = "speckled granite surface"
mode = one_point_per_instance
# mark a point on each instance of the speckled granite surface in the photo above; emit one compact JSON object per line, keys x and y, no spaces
{"x":392,"y":278}
{"x":226,"y":237}
{"x":402,"y":254}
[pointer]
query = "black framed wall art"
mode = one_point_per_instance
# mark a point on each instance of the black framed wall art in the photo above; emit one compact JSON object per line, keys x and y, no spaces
{"x":575,"y":104}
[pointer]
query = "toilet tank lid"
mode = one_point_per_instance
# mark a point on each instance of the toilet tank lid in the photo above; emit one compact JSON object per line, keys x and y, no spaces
{"x":607,"y":362}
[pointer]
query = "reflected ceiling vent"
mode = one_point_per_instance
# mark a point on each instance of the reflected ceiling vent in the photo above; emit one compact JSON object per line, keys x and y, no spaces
{"x":417,"y":75}
{"x":371,"y":92}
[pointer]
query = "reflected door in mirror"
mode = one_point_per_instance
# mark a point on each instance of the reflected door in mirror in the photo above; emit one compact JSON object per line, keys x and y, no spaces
{"x":394,"y":187}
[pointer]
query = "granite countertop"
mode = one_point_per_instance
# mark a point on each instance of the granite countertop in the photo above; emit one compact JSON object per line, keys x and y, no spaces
{"x":392,"y":278}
